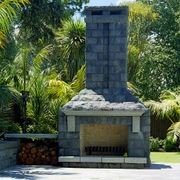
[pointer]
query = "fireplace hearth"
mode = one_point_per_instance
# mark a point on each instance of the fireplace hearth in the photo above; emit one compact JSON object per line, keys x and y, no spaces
{"x":105,"y":125}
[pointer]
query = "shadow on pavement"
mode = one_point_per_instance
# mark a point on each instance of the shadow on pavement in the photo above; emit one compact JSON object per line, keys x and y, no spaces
{"x":160,"y":166}
{"x":30,"y":173}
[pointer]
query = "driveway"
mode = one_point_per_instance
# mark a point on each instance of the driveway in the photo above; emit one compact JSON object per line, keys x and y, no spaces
{"x":155,"y":172}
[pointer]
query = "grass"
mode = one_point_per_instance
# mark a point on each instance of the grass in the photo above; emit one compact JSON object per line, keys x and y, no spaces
{"x":166,"y":157}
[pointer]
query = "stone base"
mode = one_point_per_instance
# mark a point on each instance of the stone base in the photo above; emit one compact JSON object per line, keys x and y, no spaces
{"x":103,"y":165}
{"x":102,"y":162}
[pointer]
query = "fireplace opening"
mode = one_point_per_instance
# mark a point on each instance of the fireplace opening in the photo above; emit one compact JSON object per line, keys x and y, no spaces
{"x":105,"y":140}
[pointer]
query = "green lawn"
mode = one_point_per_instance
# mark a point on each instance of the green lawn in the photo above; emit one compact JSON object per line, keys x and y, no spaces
{"x":167,"y":157}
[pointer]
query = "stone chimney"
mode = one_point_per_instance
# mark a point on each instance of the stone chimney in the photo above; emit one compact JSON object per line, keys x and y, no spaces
{"x":104,"y":121}
{"x":106,"y":47}
{"x":106,"y":52}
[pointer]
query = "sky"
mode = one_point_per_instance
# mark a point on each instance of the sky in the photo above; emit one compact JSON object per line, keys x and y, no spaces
{"x":106,"y":2}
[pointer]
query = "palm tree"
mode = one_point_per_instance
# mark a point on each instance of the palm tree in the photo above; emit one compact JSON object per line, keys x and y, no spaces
{"x":169,"y":108}
{"x":71,"y":40}
{"x":8,"y":11}
{"x":174,"y":131}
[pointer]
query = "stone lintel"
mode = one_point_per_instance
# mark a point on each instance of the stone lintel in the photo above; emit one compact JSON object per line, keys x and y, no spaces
{"x":134,"y":113}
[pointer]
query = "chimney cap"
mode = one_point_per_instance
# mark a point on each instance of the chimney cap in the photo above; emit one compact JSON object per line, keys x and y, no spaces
{"x":106,"y":10}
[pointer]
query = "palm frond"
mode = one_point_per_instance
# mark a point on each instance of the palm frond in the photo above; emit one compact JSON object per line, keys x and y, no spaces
{"x":174,"y":131}
{"x":8,"y":95}
{"x":79,"y":80}
{"x":59,"y":89}
{"x":42,"y":55}
{"x":8,"y":11}
{"x":168,"y":107}
{"x":71,"y":40}
{"x":133,"y":88}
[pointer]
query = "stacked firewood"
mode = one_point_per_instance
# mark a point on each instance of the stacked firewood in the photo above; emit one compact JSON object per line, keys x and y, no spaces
{"x":37,"y":153}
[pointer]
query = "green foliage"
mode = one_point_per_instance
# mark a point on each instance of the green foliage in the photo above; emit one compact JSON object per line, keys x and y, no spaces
{"x":59,"y":89}
{"x":40,"y":18}
{"x":174,"y":132}
{"x":170,"y":145}
{"x":156,"y":144}
{"x":71,"y":40}
{"x":79,"y":80}
{"x":9,"y":126}
{"x":8,"y":11}
{"x":141,"y":18}
{"x":167,"y":28}
{"x":158,"y":71}
{"x":168,"y":107}
{"x":8,"y":95}
{"x":167,"y":144}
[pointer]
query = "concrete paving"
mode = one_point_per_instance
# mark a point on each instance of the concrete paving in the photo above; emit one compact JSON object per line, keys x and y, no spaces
{"x":155,"y":172}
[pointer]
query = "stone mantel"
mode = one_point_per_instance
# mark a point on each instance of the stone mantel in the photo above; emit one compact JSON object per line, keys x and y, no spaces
{"x":136,"y":113}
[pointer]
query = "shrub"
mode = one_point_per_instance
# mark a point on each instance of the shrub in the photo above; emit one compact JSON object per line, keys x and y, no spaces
{"x":170,"y":145}
{"x":156,"y":144}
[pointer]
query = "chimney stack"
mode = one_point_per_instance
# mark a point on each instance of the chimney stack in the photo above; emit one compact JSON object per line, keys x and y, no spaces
{"x":106,"y":47}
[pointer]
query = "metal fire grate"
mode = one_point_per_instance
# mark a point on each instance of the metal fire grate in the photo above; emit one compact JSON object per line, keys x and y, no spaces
{"x":105,"y":150}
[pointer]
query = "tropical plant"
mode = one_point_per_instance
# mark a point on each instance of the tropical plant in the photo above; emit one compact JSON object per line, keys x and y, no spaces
{"x":141,"y":17}
{"x":40,"y":19}
{"x":158,"y":71}
{"x":168,"y":107}
{"x":174,"y":131}
{"x":71,"y":40}
{"x":156,"y":144}
{"x":8,"y":11}
{"x":79,"y":80}
{"x":38,"y":106}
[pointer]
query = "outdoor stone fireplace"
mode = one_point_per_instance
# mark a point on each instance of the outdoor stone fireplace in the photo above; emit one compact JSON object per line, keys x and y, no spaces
{"x":105,"y":125}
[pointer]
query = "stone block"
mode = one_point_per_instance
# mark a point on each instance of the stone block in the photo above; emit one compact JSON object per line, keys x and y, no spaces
{"x":112,"y":159}
{"x":136,"y":144}
{"x":61,"y":135}
{"x":88,"y":34}
{"x":91,"y":159}
{"x":135,"y":160}
{"x":62,"y":124}
{"x":97,"y":33}
{"x":133,"y":152}
{"x":97,"y":77}
{"x":106,"y":19}
{"x":91,"y":26}
{"x":146,"y":129}
{"x":68,"y":159}
{"x":91,"y":56}
{"x":132,"y":166}
{"x":71,"y":151}
{"x":69,"y":143}
{"x":72,"y":135}
{"x":97,"y":48}
{"x":114,"y":165}
{"x":71,"y":123}
{"x":61,"y":152}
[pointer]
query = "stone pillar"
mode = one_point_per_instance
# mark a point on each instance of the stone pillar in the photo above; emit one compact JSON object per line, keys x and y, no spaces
{"x":106,"y":47}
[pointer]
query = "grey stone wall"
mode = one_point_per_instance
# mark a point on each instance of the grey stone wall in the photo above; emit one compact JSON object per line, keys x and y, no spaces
{"x":106,"y":47}
{"x":8,"y":153}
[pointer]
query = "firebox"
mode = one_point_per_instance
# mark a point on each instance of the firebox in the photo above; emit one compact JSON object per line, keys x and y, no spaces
{"x":105,"y":125}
